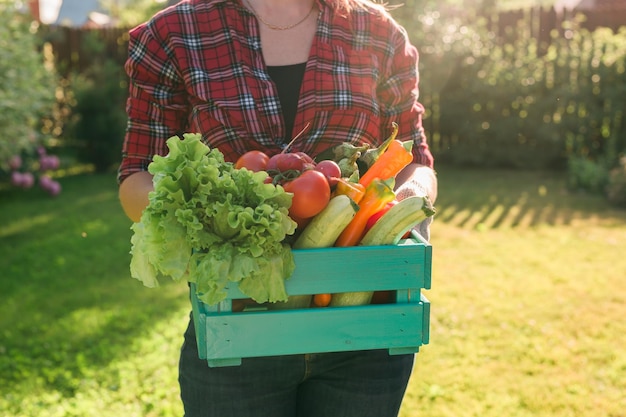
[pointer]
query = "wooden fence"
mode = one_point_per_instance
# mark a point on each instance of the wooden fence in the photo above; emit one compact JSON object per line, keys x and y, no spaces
{"x":77,"y":49}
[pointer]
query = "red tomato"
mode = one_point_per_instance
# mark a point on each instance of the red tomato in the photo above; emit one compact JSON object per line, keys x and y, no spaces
{"x":253,"y":160}
{"x":330,"y":169}
{"x":311,"y":193}
{"x":322,"y":300}
{"x":286,"y":162}
{"x":382,"y":297}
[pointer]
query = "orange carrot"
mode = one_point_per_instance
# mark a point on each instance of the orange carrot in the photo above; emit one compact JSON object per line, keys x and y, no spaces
{"x":377,"y":194}
{"x":397,"y":156}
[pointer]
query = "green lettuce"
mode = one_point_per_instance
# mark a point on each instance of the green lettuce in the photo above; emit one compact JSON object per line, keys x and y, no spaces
{"x":213,"y":225}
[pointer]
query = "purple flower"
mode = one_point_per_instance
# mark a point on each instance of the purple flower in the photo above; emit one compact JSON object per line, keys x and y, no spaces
{"x":48,"y":162}
{"x":16,"y":178}
{"x":28,"y":179}
{"x":15,"y":162}
{"x":54,"y":188}
{"x":44,"y":182}
{"x":22,"y":179}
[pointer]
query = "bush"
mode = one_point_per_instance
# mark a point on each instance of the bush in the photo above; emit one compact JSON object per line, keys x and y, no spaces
{"x":27,"y":95}
{"x":504,"y":102}
{"x":443,"y":39}
{"x":590,"y":67}
{"x":586,"y":175}
{"x":616,"y":187}
{"x":99,"y":116}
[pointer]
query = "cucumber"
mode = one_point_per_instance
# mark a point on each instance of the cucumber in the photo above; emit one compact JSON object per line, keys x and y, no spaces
{"x":357,"y":298}
{"x":324,"y":229}
{"x":398,"y":220}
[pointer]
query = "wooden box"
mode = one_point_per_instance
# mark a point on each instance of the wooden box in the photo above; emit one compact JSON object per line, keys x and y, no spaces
{"x":225,"y":337}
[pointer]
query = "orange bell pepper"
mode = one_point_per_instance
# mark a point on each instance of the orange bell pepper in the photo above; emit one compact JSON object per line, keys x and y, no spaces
{"x":397,"y":156}
{"x":377,"y":194}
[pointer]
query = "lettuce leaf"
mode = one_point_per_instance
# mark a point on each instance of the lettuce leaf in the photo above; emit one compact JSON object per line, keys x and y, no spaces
{"x":212,"y":224}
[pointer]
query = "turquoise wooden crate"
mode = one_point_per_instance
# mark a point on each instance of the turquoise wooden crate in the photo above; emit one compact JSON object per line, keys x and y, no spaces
{"x":225,"y":337}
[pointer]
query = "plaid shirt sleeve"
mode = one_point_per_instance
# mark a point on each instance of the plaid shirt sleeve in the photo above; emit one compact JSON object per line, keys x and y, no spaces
{"x":399,"y":93}
{"x":157,"y":104}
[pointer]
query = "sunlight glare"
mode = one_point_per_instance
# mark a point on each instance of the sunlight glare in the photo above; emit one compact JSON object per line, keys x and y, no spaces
{"x":542,"y":191}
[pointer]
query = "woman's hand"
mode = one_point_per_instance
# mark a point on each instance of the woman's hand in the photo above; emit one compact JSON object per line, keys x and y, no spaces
{"x":416,"y":179}
{"x":133,"y":194}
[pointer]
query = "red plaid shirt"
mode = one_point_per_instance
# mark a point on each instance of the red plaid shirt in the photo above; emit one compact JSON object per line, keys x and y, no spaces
{"x":197,"y":67}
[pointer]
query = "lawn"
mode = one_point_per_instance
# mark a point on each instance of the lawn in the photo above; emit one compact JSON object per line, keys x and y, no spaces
{"x":527,"y":305}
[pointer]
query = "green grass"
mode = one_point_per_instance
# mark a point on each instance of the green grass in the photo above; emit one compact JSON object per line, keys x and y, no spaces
{"x":527,"y":305}
{"x":527,"y":302}
{"x":78,"y":336}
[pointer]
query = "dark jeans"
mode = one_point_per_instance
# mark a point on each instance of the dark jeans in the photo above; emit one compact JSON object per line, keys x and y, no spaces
{"x":351,"y":384}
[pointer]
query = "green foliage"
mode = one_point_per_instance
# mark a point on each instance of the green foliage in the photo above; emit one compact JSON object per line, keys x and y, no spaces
{"x":27,"y":86}
{"x":591,"y":69}
{"x":99,"y":117}
{"x":616,"y":184}
{"x":511,"y":102}
{"x":497,"y":109}
{"x":592,"y":107}
{"x":585,"y":174}
{"x":442,"y":37}
{"x":518,"y":108}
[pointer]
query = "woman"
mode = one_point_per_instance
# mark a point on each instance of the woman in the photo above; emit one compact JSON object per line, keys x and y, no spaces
{"x":253,"y":74}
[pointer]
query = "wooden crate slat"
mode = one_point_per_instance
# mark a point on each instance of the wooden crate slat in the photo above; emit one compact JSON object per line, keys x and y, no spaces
{"x":322,"y":330}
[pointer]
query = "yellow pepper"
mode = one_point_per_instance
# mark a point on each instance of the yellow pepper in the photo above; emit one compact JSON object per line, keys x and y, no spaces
{"x":354,"y":190}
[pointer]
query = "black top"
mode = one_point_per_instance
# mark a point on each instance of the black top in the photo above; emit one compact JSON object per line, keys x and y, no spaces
{"x":288,"y":79}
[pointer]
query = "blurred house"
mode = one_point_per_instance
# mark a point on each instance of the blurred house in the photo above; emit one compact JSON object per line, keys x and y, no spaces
{"x":74,"y":13}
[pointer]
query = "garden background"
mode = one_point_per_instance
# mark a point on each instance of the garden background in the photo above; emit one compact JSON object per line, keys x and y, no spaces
{"x":527,"y":126}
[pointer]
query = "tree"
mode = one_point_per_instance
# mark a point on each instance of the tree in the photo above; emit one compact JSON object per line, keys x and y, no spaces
{"x":27,"y":93}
